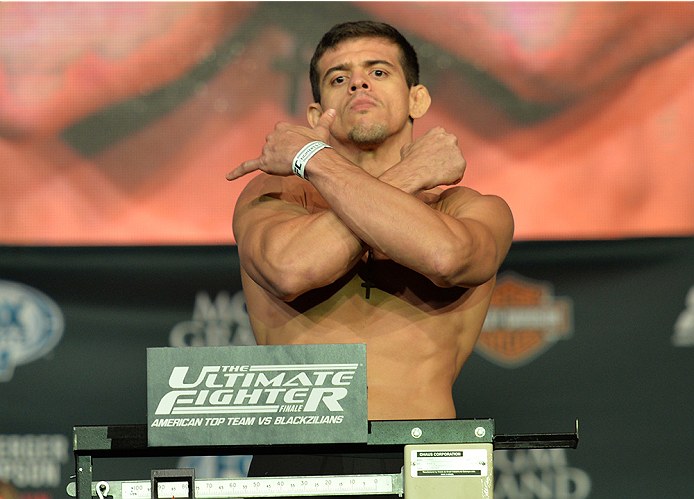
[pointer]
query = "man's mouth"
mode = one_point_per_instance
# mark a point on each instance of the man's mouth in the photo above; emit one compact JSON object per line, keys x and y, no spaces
{"x":361,"y":104}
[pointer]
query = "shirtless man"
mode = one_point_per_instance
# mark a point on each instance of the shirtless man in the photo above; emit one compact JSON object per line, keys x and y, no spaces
{"x":368,"y":248}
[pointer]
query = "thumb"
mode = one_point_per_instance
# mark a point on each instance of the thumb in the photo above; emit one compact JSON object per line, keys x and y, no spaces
{"x":324,"y":123}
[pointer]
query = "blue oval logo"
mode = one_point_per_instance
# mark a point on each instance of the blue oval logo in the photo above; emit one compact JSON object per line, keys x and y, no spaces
{"x":31,"y":325}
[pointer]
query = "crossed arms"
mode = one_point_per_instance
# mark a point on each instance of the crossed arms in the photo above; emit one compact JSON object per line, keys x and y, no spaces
{"x":288,"y":246}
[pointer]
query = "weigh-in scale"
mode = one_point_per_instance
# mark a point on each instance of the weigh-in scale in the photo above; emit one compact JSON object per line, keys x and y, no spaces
{"x":451,"y":459}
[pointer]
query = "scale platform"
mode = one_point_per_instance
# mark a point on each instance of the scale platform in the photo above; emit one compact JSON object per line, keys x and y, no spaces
{"x":442,"y":458}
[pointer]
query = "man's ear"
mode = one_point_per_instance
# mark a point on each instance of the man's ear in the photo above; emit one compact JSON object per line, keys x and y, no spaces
{"x":420,"y":100}
{"x":313,"y":113}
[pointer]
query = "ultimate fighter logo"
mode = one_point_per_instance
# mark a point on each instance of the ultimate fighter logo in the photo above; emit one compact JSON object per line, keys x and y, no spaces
{"x":256,"y":389}
{"x":524,"y":320}
{"x":257,"y":395}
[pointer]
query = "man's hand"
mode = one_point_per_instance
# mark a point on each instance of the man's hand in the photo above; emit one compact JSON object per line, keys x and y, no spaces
{"x":432,"y":160}
{"x":281,"y":146}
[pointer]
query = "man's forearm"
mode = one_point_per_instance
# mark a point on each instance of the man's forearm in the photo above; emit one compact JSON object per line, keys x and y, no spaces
{"x":392,"y":221}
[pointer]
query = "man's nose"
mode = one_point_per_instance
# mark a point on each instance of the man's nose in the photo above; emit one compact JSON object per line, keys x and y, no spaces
{"x":359,"y":83}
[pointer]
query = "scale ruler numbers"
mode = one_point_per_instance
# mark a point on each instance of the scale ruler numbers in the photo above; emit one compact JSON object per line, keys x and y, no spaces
{"x":268,"y":487}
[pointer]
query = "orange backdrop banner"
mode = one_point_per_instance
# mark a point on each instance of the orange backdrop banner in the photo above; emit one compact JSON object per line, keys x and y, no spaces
{"x":118,"y":121}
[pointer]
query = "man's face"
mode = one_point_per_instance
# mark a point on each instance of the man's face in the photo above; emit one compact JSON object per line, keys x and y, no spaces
{"x":363,"y":80}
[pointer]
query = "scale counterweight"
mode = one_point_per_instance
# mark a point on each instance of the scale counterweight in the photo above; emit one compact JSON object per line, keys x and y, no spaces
{"x":253,"y":487}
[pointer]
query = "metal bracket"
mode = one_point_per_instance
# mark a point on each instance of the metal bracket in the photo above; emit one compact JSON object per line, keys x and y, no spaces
{"x":186,"y":475}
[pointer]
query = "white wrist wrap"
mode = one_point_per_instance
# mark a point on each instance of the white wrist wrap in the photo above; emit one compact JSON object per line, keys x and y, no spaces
{"x":304,"y":154}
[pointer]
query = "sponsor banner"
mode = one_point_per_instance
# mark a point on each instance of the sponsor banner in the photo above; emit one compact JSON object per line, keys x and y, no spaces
{"x":524,"y":320}
{"x":256,"y":395}
{"x":538,"y":474}
{"x":631,"y":315}
{"x":220,"y":322}
{"x":33,"y":460}
{"x":684,"y":326}
{"x":31,"y":325}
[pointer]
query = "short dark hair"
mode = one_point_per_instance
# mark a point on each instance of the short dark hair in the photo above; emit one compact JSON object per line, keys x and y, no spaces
{"x":364,"y":29}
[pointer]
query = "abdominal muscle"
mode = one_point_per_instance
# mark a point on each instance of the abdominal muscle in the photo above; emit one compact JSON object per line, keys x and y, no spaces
{"x":414,"y":350}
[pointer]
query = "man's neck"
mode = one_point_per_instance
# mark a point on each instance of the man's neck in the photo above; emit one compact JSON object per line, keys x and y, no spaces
{"x":375,"y":160}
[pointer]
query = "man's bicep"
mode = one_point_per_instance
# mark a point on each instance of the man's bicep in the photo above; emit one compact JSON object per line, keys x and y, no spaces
{"x":486,"y":219}
{"x":494,"y":215}
{"x":263,"y":221}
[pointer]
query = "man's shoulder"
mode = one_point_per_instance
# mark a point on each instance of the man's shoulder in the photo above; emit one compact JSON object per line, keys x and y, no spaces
{"x":488,"y":209}
{"x":290,"y":191}
{"x":466,"y":197}
{"x":264,"y":183}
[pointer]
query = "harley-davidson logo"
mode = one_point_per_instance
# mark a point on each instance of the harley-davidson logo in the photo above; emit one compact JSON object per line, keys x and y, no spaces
{"x":524,"y":320}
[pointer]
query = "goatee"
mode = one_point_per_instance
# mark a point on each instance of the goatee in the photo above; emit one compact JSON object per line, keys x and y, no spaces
{"x":368,"y":135}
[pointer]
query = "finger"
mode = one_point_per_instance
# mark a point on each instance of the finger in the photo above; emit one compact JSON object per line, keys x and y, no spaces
{"x":325,"y":122}
{"x":243,"y":169}
{"x":437,"y":130}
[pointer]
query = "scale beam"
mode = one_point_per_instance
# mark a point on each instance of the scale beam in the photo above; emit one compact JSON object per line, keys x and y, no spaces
{"x":252,"y":487}
{"x":446,"y":458}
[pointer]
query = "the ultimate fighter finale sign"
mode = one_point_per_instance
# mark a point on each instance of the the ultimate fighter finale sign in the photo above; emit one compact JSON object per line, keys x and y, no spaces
{"x":256,"y":395}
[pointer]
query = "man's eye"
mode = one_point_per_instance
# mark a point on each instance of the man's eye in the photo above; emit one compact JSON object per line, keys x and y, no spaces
{"x":339,"y":80}
{"x":378,"y":73}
